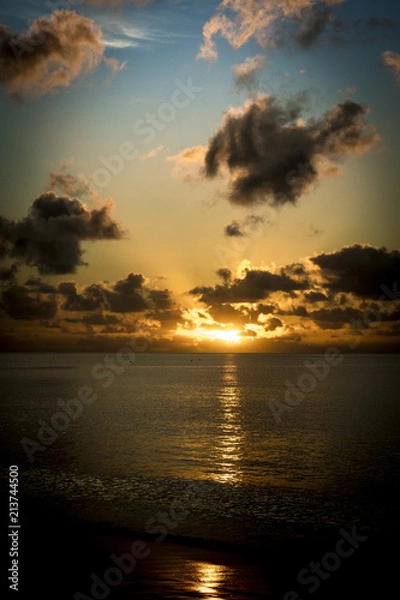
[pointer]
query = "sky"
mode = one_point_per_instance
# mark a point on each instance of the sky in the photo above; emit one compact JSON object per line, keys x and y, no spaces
{"x":208,"y":176}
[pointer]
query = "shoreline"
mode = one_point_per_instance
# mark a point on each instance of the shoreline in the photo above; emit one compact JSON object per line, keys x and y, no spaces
{"x":78,"y":561}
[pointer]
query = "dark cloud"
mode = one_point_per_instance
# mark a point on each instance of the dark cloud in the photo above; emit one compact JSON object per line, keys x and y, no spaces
{"x":234,"y":230}
{"x":296,"y":269}
{"x":247,"y":227}
{"x":161,"y":299}
{"x":310,"y":24}
{"x":359,"y":269}
{"x":51,"y":54}
{"x":375,"y":23}
{"x":300,"y":311}
{"x":272,"y":156}
{"x":337,"y":318}
{"x":314,"y":231}
{"x":365,"y":30}
{"x":50,"y":237}
{"x":265,"y":309}
{"x":128,"y":295}
{"x":225,"y":274}
{"x":394,"y":315}
{"x":98,"y":318}
{"x":255,"y":285}
{"x":8,"y":274}
{"x":272,"y":324}
{"x":124,"y":296}
{"x":40,"y":286}
{"x":20,"y":304}
{"x":227,"y":314}
{"x":315,"y":297}
{"x":92,"y":297}
{"x":321,"y":24}
{"x":71,"y":185}
{"x":167,"y":318}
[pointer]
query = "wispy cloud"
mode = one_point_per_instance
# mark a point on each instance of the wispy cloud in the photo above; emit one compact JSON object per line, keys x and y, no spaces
{"x":238,"y":21}
{"x":391,"y":60}
{"x":152,"y":153}
{"x":246,"y":74}
{"x":125,"y":35}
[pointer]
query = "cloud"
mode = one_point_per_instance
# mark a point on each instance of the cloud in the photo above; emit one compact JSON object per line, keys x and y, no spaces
{"x":349,"y":91}
{"x":255,"y":285}
{"x":123,"y":296}
{"x":328,"y":287}
{"x":128,"y":295}
{"x":238,"y":21}
{"x":20,"y":304}
{"x":225,"y":274}
{"x":311,"y":23}
{"x":71,"y":185}
{"x":152,"y":153}
{"x":364,"y":30}
{"x":52,"y":53}
{"x":227,"y":315}
{"x":315,"y":297}
{"x":187,"y":162}
{"x":161,"y":299}
{"x":39,"y":286}
{"x":8,"y":274}
{"x":271,"y":155}
{"x":359,"y":269}
{"x":272,"y":324}
{"x":246,"y":74}
{"x":314,"y":231}
{"x":247,"y":227}
{"x":336,"y":318}
{"x":96,"y":319}
{"x":50,"y":237}
{"x":391,"y":60}
{"x":234,"y":230}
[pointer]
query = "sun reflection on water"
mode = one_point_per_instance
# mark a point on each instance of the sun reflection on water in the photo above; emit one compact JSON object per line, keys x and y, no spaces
{"x":210,"y":577}
{"x":228,"y":449}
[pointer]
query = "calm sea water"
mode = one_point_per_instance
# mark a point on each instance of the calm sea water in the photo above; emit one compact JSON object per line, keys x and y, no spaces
{"x":165,"y":422}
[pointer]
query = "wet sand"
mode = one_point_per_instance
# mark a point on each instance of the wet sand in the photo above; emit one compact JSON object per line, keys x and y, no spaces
{"x":76,"y":562}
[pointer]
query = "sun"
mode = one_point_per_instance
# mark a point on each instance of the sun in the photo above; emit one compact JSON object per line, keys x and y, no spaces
{"x":229,"y":336}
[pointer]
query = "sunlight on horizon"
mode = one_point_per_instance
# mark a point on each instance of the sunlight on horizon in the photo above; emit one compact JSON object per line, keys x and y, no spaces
{"x":229,"y":336}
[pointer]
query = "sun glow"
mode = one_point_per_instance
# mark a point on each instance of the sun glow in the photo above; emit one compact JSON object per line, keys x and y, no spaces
{"x":229,"y":336}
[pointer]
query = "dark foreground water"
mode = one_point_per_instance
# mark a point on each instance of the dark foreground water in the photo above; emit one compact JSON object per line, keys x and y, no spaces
{"x":234,"y":449}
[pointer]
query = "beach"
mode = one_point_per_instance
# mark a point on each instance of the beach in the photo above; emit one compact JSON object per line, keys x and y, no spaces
{"x":78,"y":563}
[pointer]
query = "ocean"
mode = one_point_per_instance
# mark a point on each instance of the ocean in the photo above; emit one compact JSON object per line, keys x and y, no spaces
{"x":233,"y":449}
